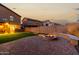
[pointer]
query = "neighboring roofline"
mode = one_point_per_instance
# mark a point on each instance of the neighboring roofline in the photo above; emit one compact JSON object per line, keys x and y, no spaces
{"x":9,"y":9}
{"x":32,"y":19}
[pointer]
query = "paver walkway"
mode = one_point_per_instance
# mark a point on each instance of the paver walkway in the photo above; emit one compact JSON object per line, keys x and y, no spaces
{"x":36,"y":45}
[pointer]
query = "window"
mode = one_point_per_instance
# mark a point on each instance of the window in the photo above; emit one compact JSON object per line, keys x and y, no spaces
{"x":4,"y":19}
{"x":46,"y":24}
{"x":11,"y":18}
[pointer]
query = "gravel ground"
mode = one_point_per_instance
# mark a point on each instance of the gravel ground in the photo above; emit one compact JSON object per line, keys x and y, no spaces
{"x":36,"y":45}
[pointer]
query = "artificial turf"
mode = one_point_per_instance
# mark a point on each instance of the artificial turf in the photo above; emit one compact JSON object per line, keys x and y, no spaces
{"x":10,"y":37}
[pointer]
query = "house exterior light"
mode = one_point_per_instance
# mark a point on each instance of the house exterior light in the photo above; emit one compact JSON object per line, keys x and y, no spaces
{"x":8,"y":28}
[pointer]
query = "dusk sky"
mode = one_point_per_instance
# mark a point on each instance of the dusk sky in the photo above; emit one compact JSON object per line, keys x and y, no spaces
{"x":44,"y":11}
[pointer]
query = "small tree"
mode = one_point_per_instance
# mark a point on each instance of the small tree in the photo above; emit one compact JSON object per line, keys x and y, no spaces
{"x":73,"y":29}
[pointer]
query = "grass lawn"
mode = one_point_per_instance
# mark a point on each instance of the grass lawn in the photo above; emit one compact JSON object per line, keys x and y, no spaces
{"x":10,"y":37}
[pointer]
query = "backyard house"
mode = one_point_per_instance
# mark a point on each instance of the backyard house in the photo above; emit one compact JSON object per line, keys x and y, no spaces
{"x":45,"y":27}
{"x":8,"y":16}
{"x":28,"y":22}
